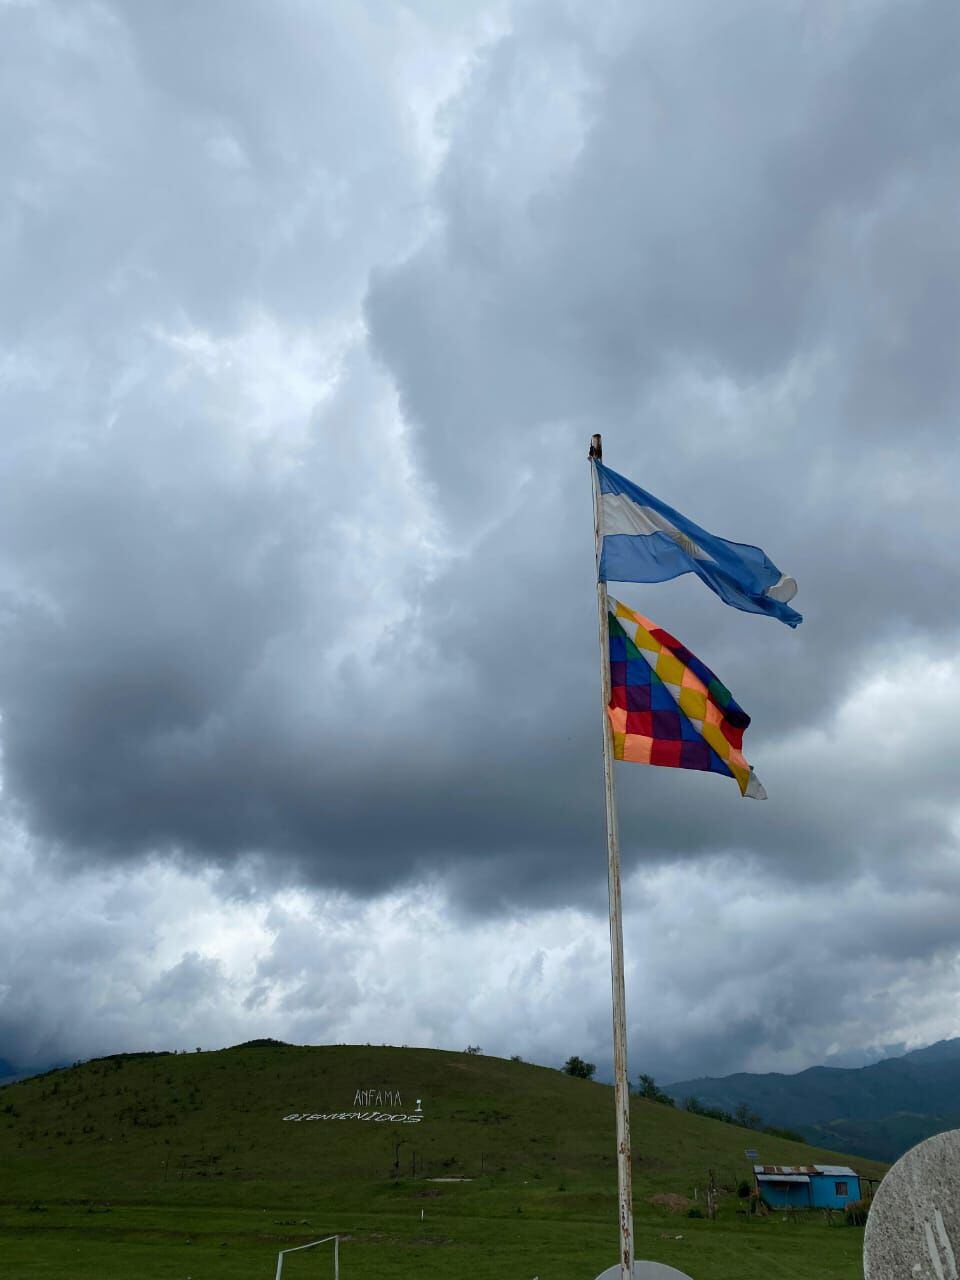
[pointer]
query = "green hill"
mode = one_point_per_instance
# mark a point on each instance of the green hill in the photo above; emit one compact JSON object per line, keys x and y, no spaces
{"x":183,"y":1164}
{"x":880,"y":1110}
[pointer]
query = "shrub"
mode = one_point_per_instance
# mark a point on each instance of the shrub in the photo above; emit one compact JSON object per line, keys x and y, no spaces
{"x":694,"y":1213}
{"x":855,"y":1214}
{"x":697,"y":1108}
{"x":743,"y":1117}
{"x":791,"y":1135}
{"x":647,"y":1088}
{"x":575,"y":1066}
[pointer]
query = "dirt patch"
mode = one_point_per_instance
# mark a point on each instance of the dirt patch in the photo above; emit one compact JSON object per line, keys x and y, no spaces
{"x":672,"y":1203}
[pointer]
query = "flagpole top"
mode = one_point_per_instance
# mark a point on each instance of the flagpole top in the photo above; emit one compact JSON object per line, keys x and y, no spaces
{"x":596,"y":449}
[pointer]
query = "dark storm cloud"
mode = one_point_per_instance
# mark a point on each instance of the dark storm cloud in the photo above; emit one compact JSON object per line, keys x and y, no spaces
{"x":745,"y":250}
{"x":178,"y":519}
{"x":306,"y":322}
{"x":694,"y":236}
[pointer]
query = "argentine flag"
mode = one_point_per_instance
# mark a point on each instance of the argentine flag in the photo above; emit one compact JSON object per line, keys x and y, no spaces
{"x":644,"y":540}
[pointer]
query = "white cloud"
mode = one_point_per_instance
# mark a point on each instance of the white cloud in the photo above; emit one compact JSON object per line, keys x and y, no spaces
{"x":306,"y":324}
{"x":726,"y":969}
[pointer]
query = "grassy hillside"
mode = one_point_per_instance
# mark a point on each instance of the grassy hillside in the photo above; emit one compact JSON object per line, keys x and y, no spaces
{"x":170,"y":1165}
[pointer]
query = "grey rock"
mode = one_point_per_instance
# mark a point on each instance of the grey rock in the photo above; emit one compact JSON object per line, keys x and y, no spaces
{"x":913,"y":1230}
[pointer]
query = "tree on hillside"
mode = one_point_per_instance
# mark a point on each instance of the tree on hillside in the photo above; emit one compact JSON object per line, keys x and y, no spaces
{"x":473,"y":1048}
{"x":697,"y":1108}
{"x":647,"y":1088}
{"x":575,"y":1066}
{"x":746,"y":1118}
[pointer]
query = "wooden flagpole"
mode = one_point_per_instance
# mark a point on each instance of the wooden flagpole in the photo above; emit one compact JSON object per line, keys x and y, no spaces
{"x":620,"y":1083}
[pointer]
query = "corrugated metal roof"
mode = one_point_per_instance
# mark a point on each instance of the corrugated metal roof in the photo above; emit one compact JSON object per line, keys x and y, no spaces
{"x":792,"y":1170}
{"x":783,"y":1177}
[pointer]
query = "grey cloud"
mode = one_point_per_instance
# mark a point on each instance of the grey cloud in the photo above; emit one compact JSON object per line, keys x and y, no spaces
{"x":197,"y":160}
{"x":192,"y":981}
{"x":410,"y":968}
{"x":296,"y":572}
{"x":690,"y":231}
{"x":165,"y":604}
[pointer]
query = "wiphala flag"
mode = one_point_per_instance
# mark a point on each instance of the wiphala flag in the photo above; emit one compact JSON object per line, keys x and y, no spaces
{"x":668,"y":708}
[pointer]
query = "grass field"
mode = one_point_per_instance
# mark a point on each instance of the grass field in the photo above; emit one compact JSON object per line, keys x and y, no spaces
{"x":182,"y":1166}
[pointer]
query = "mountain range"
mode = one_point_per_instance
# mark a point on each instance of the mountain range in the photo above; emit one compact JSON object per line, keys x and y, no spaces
{"x":878,"y":1111}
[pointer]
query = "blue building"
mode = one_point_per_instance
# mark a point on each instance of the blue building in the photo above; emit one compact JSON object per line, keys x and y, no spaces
{"x":806,"y":1186}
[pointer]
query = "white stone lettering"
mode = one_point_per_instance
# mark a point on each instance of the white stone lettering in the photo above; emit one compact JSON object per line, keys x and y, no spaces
{"x":374,"y":1099}
{"x":377,"y":1098}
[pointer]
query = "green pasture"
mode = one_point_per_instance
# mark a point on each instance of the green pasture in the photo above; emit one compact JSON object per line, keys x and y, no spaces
{"x":182,"y":1166}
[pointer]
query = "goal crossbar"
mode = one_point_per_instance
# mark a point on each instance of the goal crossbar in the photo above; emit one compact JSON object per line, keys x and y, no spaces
{"x":312,"y":1245}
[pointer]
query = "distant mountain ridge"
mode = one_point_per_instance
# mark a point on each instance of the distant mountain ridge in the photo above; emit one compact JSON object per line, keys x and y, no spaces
{"x":10,"y":1072}
{"x":879,"y":1110}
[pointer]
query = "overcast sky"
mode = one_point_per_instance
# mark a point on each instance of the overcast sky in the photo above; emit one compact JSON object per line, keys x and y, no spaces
{"x":307,"y":314}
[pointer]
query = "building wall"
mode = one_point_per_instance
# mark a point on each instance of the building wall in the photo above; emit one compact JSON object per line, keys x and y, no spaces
{"x":786,"y":1195}
{"x":825,"y":1193}
{"x":821,"y":1192}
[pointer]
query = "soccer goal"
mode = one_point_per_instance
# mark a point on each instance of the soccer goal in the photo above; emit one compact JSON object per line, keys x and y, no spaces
{"x":312,"y":1245}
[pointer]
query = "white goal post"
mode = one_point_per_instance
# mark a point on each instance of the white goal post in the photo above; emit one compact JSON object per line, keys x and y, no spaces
{"x":312,"y":1245}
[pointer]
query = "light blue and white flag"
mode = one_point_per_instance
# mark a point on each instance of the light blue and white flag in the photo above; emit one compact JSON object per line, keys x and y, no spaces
{"x":644,"y":540}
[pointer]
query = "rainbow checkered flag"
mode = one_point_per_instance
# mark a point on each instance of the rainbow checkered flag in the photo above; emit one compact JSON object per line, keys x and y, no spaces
{"x":667,"y":708}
